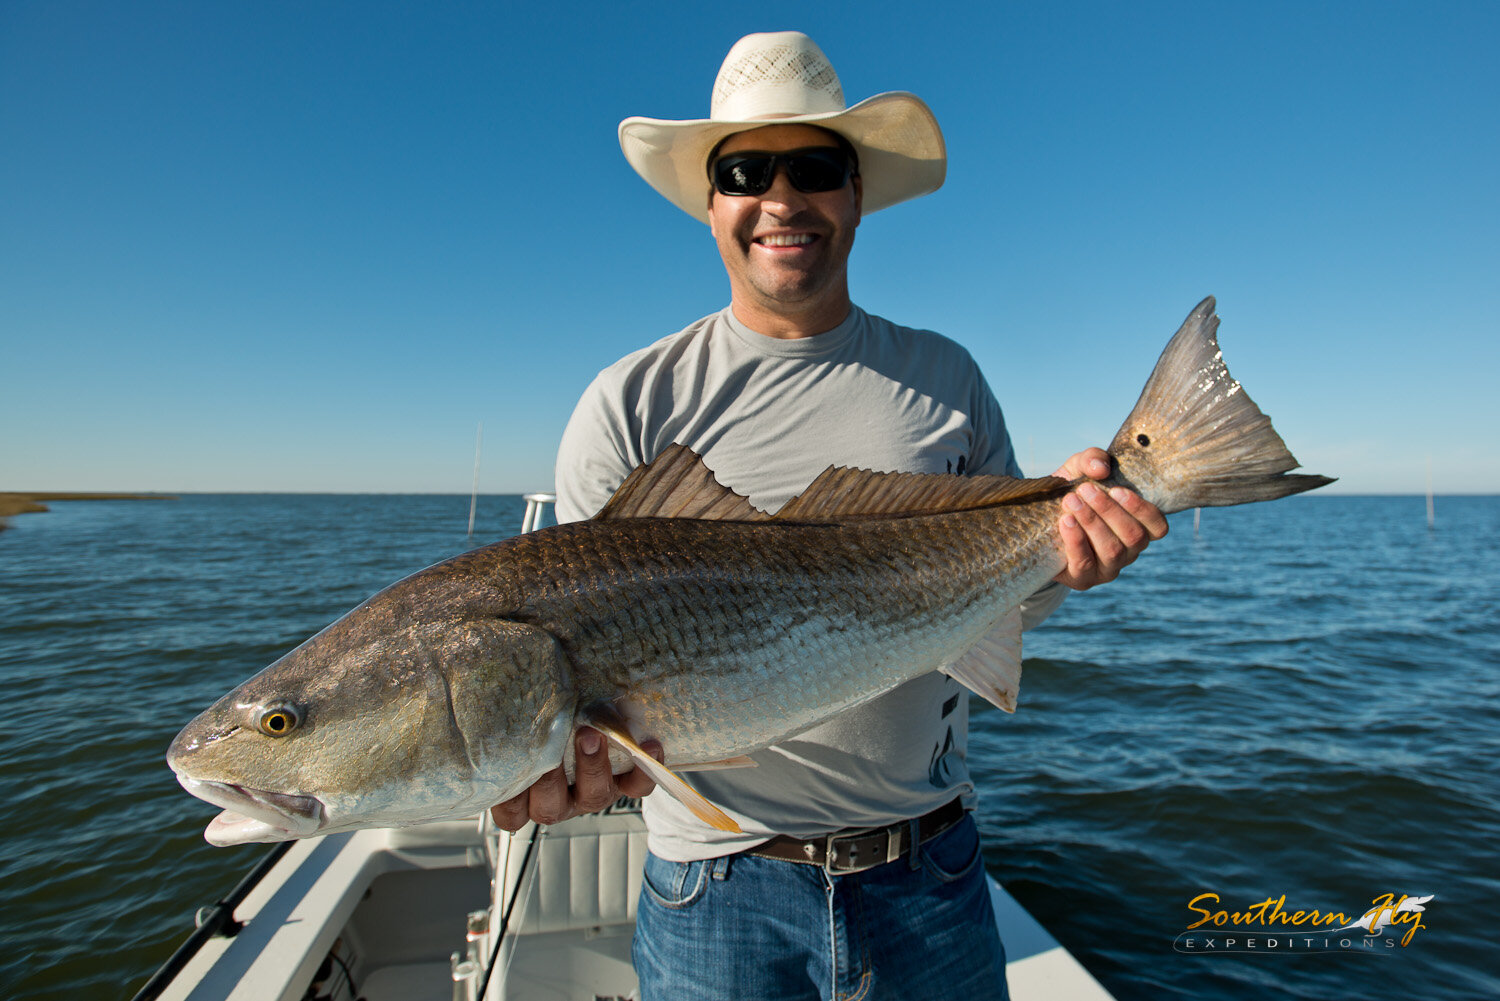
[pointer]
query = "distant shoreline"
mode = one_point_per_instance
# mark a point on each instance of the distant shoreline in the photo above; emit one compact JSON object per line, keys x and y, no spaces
{"x":28,"y":503}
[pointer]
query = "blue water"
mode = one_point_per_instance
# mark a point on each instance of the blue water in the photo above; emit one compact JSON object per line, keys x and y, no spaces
{"x":1303,"y":699}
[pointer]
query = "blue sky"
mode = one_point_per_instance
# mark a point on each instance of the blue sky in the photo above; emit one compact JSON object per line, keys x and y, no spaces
{"x":309,"y":246}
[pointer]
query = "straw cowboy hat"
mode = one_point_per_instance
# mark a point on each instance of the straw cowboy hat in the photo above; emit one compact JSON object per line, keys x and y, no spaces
{"x":783,"y":78}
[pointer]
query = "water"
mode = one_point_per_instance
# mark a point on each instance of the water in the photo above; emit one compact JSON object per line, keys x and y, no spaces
{"x":1302,"y":700}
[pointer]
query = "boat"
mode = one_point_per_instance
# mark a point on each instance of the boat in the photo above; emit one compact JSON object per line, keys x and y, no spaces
{"x":460,"y":910}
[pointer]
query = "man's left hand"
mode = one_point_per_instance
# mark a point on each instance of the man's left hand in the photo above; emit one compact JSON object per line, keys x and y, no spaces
{"x":1102,"y":531}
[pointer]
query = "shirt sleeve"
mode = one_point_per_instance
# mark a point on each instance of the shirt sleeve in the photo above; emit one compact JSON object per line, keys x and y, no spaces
{"x":595,"y":454}
{"x":991,"y":452}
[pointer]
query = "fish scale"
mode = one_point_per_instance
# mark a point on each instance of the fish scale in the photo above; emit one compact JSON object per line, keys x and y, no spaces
{"x":828,"y":618}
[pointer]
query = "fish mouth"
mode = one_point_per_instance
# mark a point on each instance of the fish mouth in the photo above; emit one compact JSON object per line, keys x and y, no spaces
{"x":255,"y":815}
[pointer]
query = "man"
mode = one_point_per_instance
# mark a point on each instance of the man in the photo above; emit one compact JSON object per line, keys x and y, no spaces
{"x":789,"y":379}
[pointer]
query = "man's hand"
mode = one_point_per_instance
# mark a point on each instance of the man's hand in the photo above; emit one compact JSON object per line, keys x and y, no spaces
{"x":550,"y":800}
{"x":1102,"y":532}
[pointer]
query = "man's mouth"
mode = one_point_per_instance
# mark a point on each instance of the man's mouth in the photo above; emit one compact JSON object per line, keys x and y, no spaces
{"x":785,"y":239}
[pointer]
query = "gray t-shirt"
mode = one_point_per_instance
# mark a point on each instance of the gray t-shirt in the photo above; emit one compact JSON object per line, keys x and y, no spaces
{"x":768,"y":415}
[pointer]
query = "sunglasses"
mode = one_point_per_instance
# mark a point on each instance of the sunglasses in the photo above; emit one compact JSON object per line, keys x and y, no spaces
{"x":811,"y":170}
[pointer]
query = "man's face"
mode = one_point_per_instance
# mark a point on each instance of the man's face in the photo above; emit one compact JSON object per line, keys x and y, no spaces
{"x":786,"y":251}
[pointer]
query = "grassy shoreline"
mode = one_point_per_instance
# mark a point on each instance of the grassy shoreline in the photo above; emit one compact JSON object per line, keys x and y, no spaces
{"x":27,"y":503}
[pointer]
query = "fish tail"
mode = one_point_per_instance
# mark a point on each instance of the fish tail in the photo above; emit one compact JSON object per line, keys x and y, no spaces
{"x":1195,"y":438}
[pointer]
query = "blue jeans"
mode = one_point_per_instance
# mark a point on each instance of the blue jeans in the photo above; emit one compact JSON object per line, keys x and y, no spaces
{"x":743,"y":928}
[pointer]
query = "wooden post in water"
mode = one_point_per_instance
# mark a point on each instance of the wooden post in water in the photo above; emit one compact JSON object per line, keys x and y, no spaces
{"x":1430,"y":518}
{"x":1197,"y":513}
{"x":474,"y":493}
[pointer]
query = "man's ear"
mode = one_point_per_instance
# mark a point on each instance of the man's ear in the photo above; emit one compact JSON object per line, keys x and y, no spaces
{"x":859,"y":198}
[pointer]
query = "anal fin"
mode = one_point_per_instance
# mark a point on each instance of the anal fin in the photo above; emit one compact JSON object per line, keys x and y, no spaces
{"x":992,"y":667}
{"x":615,"y":732}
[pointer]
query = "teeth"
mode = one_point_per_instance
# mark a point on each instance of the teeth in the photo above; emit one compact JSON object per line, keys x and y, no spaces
{"x":786,"y":239}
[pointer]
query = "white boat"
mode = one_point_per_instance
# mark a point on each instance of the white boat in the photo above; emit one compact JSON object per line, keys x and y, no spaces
{"x":459,"y":911}
{"x":444,"y":911}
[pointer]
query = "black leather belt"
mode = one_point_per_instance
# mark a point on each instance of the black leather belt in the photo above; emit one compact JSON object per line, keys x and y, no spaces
{"x":854,"y":850}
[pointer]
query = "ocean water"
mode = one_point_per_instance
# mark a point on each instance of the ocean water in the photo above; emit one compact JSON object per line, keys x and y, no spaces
{"x":1302,"y":700}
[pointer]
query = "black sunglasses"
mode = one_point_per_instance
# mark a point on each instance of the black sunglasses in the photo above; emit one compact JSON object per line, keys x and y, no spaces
{"x":811,"y":170}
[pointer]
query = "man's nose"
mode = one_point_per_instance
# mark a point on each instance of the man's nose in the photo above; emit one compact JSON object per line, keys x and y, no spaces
{"x":782,"y":192}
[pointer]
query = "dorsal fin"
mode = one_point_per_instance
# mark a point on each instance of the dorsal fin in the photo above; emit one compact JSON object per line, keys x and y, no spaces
{"x":676,"y":484}
{"x":840,"y":492}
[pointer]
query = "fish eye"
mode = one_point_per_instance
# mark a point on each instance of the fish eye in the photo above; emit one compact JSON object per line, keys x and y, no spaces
{"x":1142,"y":440}
{"x":279,"y":720}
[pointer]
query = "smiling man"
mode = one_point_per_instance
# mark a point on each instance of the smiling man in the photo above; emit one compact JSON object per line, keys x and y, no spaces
{"x":788,"y":379}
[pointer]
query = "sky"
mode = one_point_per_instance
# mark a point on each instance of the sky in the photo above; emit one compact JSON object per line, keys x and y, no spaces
{"x":311,"y":246}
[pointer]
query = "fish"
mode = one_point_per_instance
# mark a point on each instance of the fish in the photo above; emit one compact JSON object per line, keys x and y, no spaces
{"x":684,"y":614}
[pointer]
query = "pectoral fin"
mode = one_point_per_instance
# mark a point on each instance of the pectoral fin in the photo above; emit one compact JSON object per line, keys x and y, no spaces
{"x":992,"y":667}
{"x":616,"y":733}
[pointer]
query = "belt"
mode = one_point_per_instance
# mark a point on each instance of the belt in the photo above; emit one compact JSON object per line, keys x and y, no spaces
{"x":855,"y":850}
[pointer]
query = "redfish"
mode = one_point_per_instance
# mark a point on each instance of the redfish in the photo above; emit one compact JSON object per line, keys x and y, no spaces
{"x":682,"y":613}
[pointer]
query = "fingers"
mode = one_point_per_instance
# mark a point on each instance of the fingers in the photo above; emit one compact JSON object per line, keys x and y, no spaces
{"x":1103,"y":533}
{"x":1097,"y":515}
{"x":1092,"y":463}
{"x":1077,"y":549}
{"x":550,"y":800}
{"x":1147,"y":515}
{"x":636,"y":783}
{"x":1117,"y":537}
{"x":511,"y":815}
{"x":593,"y":785}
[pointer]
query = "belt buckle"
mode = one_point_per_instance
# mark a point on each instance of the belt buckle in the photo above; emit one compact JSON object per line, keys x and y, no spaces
{"x":862,"y":850}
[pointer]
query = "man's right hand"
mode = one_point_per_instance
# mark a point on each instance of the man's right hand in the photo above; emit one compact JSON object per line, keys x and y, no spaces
{"x":551,"y":800}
